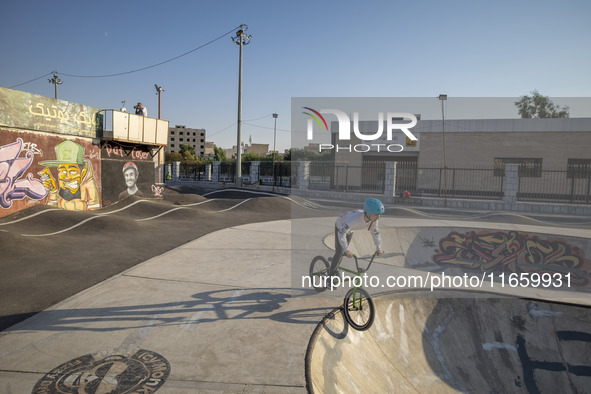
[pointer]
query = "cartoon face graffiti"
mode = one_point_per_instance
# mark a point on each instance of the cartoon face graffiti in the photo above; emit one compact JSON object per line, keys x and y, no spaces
{"x":76,"y":188}
{"x":70,"y":177}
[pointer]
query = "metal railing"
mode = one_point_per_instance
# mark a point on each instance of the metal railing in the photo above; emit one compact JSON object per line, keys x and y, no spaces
{"x":557,"y":185}
{"x":368,"y":177}
{"x":436,"y":181}
{"x":548,"y":185}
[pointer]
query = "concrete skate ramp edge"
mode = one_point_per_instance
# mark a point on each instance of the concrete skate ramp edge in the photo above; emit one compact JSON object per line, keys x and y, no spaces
{"x":454,"y":343}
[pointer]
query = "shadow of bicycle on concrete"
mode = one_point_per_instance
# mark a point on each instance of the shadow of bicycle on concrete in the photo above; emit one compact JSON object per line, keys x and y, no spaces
{"x":284,"y":305}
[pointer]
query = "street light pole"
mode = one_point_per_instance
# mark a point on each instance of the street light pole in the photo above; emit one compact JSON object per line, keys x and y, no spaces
{"x":442,"y":98}
{"x":56,"y":81}
{"x":274,"y":146}
{"x":240,"y":39}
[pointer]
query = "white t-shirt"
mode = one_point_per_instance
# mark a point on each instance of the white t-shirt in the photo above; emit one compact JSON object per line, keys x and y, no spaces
{"x":350,"y":221}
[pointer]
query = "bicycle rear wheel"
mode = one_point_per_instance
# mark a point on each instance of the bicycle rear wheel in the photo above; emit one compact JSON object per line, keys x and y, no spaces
{"x":359,"y":309}
{"x":319,"y":269}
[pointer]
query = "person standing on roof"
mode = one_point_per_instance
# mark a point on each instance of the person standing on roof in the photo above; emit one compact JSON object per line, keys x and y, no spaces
{"x":350,"y":221}
{"x":141,"y":110}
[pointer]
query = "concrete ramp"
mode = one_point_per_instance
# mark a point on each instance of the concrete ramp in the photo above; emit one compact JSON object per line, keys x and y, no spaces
{"x":474,"y":249}
{"x":458,"y":342}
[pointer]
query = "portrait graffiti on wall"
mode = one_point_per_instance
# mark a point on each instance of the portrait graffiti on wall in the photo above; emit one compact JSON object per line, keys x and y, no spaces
{"x":130,"y":176}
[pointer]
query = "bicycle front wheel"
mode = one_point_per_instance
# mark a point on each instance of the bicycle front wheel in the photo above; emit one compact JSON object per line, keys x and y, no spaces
{"x":319,"y":269}
{"x":359,"y":309}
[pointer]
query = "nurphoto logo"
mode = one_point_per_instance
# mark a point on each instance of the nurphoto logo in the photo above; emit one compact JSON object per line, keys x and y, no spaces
{"x":345,"y":130}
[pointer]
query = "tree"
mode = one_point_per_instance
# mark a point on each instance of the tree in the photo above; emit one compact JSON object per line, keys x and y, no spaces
{"x":538,"y":106}
{"x":170,"y":157}
{"x":219,"y":153}
{"x":184,"y":148}
{"x":295,"y":154}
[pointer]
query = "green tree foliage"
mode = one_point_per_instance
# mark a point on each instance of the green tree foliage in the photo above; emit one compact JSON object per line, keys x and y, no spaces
{"x":170,"y":157}
{"x":219,"y":153}
{"x":307,"y":155}
{"x":187,"y":150}
{"x":255,"y":157}
{"x":538,"y":106}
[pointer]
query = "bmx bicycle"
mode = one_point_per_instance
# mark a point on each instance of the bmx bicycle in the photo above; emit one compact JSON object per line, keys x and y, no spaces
{"x":358,"y":306}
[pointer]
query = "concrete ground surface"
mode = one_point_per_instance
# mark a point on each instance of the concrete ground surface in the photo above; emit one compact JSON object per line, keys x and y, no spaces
{"x":222,"y":313}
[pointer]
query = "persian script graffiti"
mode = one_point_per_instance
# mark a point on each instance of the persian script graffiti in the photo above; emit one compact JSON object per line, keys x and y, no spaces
{"x":54,"y":113}
{"x":512,"y":251}
{"x":12,"y":168}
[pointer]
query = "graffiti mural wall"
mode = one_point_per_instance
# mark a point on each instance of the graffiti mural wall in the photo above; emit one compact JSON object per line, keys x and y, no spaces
{"x":512,"y":251}
{"x":541,"y":260}
{"x":40,"y":168}
{"x":127,"y":171}
{"x":54,"y":153}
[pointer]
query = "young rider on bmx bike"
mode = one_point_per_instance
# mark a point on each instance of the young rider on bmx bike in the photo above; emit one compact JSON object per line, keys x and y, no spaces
{"x":350,"y":221}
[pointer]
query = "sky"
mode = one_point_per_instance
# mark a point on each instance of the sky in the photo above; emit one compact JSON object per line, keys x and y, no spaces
{"x":422,"y":48}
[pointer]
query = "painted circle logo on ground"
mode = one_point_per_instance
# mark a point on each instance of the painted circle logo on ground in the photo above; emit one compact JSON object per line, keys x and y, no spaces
{"x":144,"y":371}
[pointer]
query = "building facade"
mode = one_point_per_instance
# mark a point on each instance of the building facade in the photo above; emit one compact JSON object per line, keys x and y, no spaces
{"x":182,"y":135}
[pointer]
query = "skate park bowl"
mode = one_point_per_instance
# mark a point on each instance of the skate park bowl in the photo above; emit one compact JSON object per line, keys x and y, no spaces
{"x":472,"y":339}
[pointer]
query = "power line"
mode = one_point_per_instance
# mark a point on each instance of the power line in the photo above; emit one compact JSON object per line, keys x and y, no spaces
{"x":24,"y":83}
{"x":154,"y":65}
{"x":132,"y":71}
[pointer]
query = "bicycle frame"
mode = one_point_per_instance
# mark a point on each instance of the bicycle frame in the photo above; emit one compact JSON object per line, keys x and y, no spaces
{"x":360,"y":270}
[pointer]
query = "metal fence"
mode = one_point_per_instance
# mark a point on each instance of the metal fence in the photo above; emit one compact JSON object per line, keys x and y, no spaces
{"x":275,"y":174}
{"x":436,"y":181}
{"x":368,"y":177}
{"x":571,"y":185}
{"x":193,"y":172}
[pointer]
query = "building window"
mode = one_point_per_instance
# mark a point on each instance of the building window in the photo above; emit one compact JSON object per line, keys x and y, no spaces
{"x":171,"y":138}
{"x":180,"y":133}
{"x":528,"y":168}
{"x":578,"y":168}
{"x":172,"y":145}
{"x":180,"y":139}
{"x":172,"y":133}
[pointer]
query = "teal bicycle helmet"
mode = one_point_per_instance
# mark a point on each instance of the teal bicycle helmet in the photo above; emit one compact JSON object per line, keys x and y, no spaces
{"x":373,"y":206}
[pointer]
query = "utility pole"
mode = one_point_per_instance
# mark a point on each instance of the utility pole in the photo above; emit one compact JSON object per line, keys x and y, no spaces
{"x":159,"y":91}
{"x":240,"y":39}
{"x":56,"y":81}
{"x":274,"y":147}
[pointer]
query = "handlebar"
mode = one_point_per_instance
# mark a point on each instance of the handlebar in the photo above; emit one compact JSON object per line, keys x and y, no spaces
{"x":360,"y":269}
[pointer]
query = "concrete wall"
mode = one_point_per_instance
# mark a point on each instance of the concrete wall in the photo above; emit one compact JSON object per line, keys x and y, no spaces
{"x":476,"y":148}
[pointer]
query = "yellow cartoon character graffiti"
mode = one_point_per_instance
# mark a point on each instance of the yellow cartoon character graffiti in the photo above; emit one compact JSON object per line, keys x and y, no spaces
{"x":76,"y":188}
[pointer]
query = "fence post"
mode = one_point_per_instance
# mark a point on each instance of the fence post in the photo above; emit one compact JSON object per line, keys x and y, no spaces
{"x":511,"y":182}
{"x":176,"y":170}
{"x":390,"y":180}
{"x":208,"y":172}
{"x":216,"y":171}
{"x":254,"y":172}
{"x":304,"y":175}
